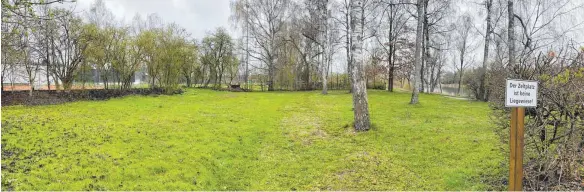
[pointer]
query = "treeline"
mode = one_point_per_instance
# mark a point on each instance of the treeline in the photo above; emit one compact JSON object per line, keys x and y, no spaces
{"x":299,"y":44}
{"x":39,"y":38}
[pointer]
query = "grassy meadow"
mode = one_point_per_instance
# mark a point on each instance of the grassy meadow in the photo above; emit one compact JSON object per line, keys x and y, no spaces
{"x":208,"y":140}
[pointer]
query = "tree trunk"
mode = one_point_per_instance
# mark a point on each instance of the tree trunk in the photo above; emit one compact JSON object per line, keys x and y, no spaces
{"x":511,"y":34}
{"x":152,"y":82}
{"x":338,"y":86}
{"x":324,"y":83}
{"x":67,"y":83}
{"x":83,"y":77}
{"x":207,"y":82}
{"x":2,"y":84}
{"x":47,"y":74}
{"x":461,"y":70}
{"x":48,"y":56}
{"x":390,"y":79}
{"x":426,"y":54}
{"x":390,"y":53}
{"x":482,"y":88}
{"x":188,"y":77}
{"x":57,"y":84}
{"x":348,"y":47}
{"x":437,"y":79}
{"x":306,"y":76}
{"x":459,"y":82}
{"x":432,"y":78}
{"x":418,"y":53}
{"x":31,"y":84}
{"x":323,"y":38}
{"x":220,"y":79}
{"x":424,"y":49}
{"x":360,"y":103}
{"x":271,"y":77}
{"x":105,"y":78}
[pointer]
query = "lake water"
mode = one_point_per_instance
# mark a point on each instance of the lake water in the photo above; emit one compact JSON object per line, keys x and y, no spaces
{"x":452,"y":90}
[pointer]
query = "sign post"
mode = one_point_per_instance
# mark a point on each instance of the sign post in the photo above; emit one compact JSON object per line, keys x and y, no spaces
{"x":518,"y":95}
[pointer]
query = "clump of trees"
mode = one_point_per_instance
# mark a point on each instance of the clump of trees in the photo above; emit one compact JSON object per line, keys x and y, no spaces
{"x":39,"y":39}
{"x":218,"y":60}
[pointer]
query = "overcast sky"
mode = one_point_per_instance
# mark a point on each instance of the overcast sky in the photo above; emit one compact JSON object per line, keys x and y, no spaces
{"x":197,"y":16}
{"x":202,"y":16}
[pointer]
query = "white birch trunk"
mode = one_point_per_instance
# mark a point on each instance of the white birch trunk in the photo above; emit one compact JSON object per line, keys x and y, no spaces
{"x":418,"y":56}
{"x":360,"y":102}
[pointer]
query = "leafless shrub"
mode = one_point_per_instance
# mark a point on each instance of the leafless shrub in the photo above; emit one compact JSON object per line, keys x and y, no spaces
{"x":554,"y":131}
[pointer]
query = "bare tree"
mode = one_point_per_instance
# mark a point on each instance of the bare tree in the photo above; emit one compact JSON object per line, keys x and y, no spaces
{"x":343,"y":20}
{"x":359,"y":87}
{"x":100,"y":15}
{"x":240,"y":18}
{"x":266,"y":20}
{"x":463,"y":45}
{"x":323,"y":41}
{"x":102,"y":52}
{"x":217,"y":54}
{"x":391,"y":28}
{"x":69,"y":47}
{"x":418,"y":53}
{"x":189,"y":64}
{"x":46,"y":47}
{"x":482,"y":93}
{"x":10,"y":51}
{"x":31,"y":67}
{"x":346,"y":21}
{"x":511,"y":33}
{"x":25,"y":43}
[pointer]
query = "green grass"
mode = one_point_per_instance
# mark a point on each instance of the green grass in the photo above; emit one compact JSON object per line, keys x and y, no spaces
{"x":207,"y":140}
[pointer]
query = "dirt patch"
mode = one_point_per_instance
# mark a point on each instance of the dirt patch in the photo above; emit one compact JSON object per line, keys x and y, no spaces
{"x":310,"y":130}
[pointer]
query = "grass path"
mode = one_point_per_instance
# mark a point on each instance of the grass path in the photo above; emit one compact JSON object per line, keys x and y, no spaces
{"x":250,"y":141}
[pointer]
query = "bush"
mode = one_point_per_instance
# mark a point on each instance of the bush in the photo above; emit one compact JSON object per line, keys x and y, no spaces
{"x":554,"y":131}
{"x":472,"y":80}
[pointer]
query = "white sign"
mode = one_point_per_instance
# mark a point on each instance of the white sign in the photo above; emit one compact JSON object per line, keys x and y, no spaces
{"x":521,"y":93}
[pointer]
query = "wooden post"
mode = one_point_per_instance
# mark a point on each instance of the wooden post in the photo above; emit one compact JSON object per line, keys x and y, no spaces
{"x":516,"y":148}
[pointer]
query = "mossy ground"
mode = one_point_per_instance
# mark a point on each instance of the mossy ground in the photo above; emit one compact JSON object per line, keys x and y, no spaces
{"x":208,"y":140}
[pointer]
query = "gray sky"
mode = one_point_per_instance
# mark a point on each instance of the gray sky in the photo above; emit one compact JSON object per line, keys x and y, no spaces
{"x":202,"y":16}
{"x":197,"y":16}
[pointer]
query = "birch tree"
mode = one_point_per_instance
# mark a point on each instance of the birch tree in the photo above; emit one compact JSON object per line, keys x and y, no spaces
{"x":418,"y":53}
{"x":359,"y":87}
{"x":482,"y":88}
{"x":511,"y":33}
{"x":265,"y":20}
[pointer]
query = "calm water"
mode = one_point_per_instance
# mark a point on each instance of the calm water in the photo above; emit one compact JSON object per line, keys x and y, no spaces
{"x":452,"y":90}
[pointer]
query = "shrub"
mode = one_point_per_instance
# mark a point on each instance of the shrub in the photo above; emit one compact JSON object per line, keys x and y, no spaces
{"x":554,"y":131}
